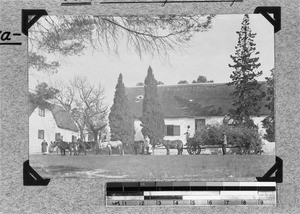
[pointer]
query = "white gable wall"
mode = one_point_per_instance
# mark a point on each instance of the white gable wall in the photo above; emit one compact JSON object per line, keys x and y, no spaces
{"x":48,"y":124}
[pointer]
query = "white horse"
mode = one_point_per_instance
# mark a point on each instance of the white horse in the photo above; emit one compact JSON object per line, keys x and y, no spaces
{"x":112,"y":144}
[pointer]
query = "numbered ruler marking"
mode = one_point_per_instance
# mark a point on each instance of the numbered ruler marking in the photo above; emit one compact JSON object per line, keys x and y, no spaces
{"x":190,"y":194}
{"x":203,"y":202}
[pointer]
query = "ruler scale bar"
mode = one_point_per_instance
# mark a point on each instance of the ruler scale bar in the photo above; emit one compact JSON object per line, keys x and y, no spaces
{"x":191,"y":193}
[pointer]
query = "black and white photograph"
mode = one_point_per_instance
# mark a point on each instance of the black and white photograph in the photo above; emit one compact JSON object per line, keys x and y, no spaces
{"x":188,"y":97}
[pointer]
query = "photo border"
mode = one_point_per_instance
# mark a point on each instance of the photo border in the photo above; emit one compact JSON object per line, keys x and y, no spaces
{"x":290,"y":185}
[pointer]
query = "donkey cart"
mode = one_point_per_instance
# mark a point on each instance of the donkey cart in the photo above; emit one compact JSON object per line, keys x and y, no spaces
{"x":194,"y":147}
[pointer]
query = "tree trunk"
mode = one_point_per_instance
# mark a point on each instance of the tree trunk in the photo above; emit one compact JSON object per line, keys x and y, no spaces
{"x":152,"y":142}
{"x":95,"y":133}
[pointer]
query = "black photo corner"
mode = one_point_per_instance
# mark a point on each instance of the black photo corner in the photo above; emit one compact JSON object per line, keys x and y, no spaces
{"x":277,"y":169}
{"x":275,"y":20}
{"x":29,"y":17}
{"x":31,"y":177}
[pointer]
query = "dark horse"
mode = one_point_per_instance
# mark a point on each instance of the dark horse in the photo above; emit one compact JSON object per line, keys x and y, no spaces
{"x":172,"y":144}
{"x":62,"y":145}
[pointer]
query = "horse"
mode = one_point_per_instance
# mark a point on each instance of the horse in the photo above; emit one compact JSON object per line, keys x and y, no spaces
{"x":62,"y":145}
{"x":111,"y":144}
{"x":172,"y":144}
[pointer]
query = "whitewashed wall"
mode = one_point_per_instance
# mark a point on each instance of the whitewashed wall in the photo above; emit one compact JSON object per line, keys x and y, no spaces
{"x":184,"y":122}
{"x":49,"y":126}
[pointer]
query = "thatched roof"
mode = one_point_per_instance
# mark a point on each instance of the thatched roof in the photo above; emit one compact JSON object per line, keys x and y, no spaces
{"x":190,"y":100}
{"x":61,"y":117}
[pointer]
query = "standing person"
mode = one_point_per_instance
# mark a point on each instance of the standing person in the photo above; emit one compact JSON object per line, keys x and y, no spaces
{"x":224,"y":143}
{"x":146,"y":144}
{"x":187,"y":137}
{"x":44,"y":147}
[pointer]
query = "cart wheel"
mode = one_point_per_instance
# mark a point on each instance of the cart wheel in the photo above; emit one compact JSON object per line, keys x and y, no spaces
{"x":194,"y":149}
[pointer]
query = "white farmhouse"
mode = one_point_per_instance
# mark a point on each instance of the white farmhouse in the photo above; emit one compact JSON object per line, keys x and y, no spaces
{"x":50,"y":125}
{"x":191,"y":105}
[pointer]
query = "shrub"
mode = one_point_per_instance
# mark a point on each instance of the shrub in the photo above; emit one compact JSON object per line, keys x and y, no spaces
{"x":247,"y":139}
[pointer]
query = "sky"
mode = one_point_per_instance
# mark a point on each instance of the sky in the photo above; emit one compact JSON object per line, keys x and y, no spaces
{"x":208,"y":54}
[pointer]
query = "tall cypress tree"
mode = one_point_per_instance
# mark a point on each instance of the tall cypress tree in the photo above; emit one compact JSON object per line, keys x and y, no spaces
{"x":247,"y":93}
{"x":120,"y":117}
{"x":152,"y":119}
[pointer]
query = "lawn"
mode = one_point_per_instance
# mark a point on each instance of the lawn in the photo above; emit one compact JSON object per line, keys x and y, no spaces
{"x":149,"y":167}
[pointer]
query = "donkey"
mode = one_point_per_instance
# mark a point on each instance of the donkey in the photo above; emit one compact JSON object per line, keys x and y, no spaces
{"x":62,"y":145}
{"x":172,"y":144}
{"x":112,"y":144}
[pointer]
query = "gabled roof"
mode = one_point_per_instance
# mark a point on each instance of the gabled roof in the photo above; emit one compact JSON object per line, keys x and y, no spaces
{"x":190,"y":100}
{"x":61,"y":117}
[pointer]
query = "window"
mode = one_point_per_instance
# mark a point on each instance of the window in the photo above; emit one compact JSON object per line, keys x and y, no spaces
{"x":172,"y":130}
{"x":57,"y":136}
{"x":41,"y":112}
{"x":199,"y":123}
{"x":41,"y":134}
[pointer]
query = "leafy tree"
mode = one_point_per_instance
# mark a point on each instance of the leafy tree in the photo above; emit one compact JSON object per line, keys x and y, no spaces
{"x":183,"y":82}
{"x":43,"y":93}
{"x":152,"y":119}
{"x":121,"y":120}
{"x":200,"y":79}
{"x":269,"y":121}
{"x":70,"y":35}
{"x":247,"y":93}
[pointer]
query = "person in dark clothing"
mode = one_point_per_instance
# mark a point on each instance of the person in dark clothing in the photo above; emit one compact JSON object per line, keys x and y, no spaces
{"x":44,"y":147}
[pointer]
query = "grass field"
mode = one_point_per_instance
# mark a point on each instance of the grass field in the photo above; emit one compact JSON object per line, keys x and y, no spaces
{"x":149,"y":167}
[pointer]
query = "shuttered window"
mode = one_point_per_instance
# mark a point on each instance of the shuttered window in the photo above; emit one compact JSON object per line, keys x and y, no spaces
{"x":199,"y":123}
{"x":41,"y":134}
{"x":172,"y":130}
{"x":41,"y":112}
{"x":57,"y":136}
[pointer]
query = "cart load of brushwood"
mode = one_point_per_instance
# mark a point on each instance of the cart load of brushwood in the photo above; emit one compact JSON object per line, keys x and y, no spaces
{"x":246,"y":139}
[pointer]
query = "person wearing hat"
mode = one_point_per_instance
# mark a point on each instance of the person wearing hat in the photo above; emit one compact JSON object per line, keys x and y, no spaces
{"x":187,"y":134}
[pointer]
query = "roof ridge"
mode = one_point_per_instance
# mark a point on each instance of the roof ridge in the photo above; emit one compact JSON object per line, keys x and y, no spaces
{"x":188,"y":85}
